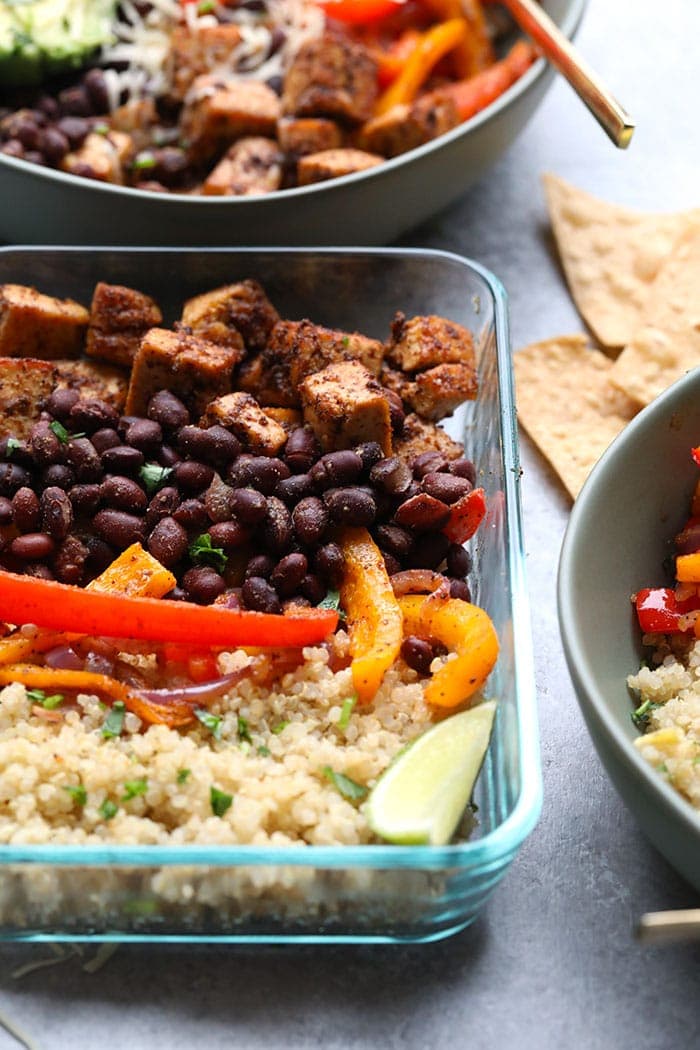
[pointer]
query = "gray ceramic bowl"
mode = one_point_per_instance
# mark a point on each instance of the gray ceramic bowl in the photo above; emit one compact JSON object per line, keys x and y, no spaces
{"x":620,"y":533}
{"x":42,"y":206}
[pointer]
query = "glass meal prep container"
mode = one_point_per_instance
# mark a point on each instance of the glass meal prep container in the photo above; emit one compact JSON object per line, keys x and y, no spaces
{"x":369,"y":893}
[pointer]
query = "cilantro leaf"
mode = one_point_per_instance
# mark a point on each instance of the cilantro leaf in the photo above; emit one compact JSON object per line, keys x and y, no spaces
{"x":279,"y":728}
{"x":38,"y":696}
{"x":220,"y":801}
{"x":347,"y":787}
{"x":154,"y":477}
{"x":346,"y":711}
{"x":134,"y":788}
{"x":12,"y":444}
{"x":332,"y":601}
{"x":77,"y":793}
{"x":243,"y":730}
{"x":209,"y":721}
{"x":182,"y":775}
{"x":203,"y":553}
{"x":63,"y":435}
{"x":109,"y":809}
{"x":641,"y":716}
{"x":143,"y":162}
{"x":114,"y":722}
{"x":264,"y":751}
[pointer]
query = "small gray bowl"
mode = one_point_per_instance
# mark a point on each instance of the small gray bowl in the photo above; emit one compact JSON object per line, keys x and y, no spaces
{"x":44,"y":206}
{"x":620,"y":533}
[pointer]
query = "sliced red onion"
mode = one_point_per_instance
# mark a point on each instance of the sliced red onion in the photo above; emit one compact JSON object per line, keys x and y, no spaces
{"x":416,"y":581}
{"x":99,"y":664}
{"x":201,"y":691}
{"x":64,"y":658}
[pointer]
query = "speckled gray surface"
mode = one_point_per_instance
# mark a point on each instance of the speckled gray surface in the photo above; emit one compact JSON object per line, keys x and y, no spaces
{"x":551,"y":963}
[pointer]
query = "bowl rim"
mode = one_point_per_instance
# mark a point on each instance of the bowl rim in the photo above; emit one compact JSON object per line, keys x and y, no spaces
{"x":591,"y":700}
{"x":485,"y":854}
{"x":568,"y":25}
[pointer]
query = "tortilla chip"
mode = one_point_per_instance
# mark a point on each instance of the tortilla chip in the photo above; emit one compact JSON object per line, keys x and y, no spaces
{"x":667,"y":344}
{"x":611,"y":256}
{"x":567,"y":404}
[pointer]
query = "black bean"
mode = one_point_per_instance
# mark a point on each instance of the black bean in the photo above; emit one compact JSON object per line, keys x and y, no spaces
{"x":75,"y":101}
{"x":75,"y":129}
{"x":48,"y":106}
{"x":429,"y":463}
{"x":288,"y":574}
{"x":447,"y":487}
{"x":295,"y":488}
{"x":119,"y":528}
{"x":203,"y":584}
{"x":192,"y":514}
{"x":45,"y":446}
{"x":13,"y":477}
{"x":54,"y":145}
{"x":58,"y":474}
{"x":145,"y":435}
{"x":83,"y":457}
{"x":61,"y":402}
{"x":96,"y":86}
{"x":329,"y":563}
{"x":26,"y":511}
{"x":351,"y":506}
{"x":27,"y":132}
{"x":688,"y":541}
{"x":260,"y":565}
{"x":5,"y":511}
{"x":310,"y":519}
{"x":229,"y":535}
{"x":336,"y":469}
{"x":192,"y":477}
{"x":249,"y":506}
{"x":219,"y":500}
{"x":463,"y":468}
{"x":302,"y":449}
{"x":121,"y":459}
{"x":104,"y":438}
{"x":459,"y":561}
{"x":85,"y":499}
{"x":124,"y":424}
{"x":168,"y":410}
{"x":370,"y":452}
{"x":263,"y":473}
{"x":56,"y":513}
{"x":391,"y":475}
{"x":178,"y":594}
{"x":69,"y":563}
{"x":277,"y":528}
{"x":422,"y":513}
{"x":163,"y":504}
{"x":397,"y":413}
{"x":91,"y":414}
{"x":12,"y":148}
{"x":38,"y":571}
{"x":33,"y":546}
{"x":429,"y":550}
{"x":123,"y":493}
{"x":418,"y":654}
{"x":460,"y":589}
{"x":214,"y":444}
{"x":391,"y":564}
{"x":395,"y":540}
{"x":33,"y":156}
{"x":312,"y":588}
{"x":167,"y":456}
{"x":100,"y":555}
{"x":168,"y":542}
{"x":257,"y":594}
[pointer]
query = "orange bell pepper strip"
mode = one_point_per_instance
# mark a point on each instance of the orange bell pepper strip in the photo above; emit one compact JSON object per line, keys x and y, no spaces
{"x":431,"y":47}
{"x":464,"y":629}
{"x":18,"y":648}
{"x":466,"y":516}
{"x":390,"y":63}
{"x":374,"y":616}
{"x":475,"y":52}
{"x":478,"y":92}
{"x":59,"y":606}
{"x":688,"y":568}
{"x":134,"y":573}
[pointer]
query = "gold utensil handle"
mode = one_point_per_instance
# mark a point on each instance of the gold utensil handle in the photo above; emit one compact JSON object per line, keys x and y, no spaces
{"x":660,"y":927}
{"x":612,"y":117}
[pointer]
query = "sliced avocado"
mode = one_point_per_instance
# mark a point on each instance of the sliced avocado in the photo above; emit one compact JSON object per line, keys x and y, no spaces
{"x":39,"y":38}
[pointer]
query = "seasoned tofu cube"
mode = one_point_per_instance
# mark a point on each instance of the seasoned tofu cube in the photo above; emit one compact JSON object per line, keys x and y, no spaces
{"x":136,"y":118}
{"x":242,"y":415}
{"x":438,"y":391}
{"x":101,"y":157}
{"x":419,"y":436}
{"x":405,"y":127}
{"x":24,"y":384}
{"x":217,"y":114}
{"x":119,"y":317}
{"x":92,"y":379}
{"x":331,"y":77}
{"x":345,"y":405}
{"x":36,"y":325}
{"x":229,"y":314}
{"x":288,"y":418}
{"x":194,"y":370}
{"x":423,"y":342}
{"x":196,"y":50}
{"x":298,"y":348}
{"x":250,"y":167}
{"x":270,"y":386}
{"x":332,"y":163}
{"x":301,"y":135}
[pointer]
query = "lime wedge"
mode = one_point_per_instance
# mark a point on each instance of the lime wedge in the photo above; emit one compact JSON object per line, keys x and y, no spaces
{"x":421,"y":797}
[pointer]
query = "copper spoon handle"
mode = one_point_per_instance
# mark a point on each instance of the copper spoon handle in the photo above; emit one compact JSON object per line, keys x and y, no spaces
{"x":611,"y":116}
{"x":661,"y":927}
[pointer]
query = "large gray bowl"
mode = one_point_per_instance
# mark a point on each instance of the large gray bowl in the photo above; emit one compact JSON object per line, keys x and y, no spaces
{"x":620,"y":533}
{"x":43,"y":206}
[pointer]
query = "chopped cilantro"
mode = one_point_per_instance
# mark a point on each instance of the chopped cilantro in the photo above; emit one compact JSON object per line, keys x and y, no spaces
{"x":332,"y":601}
{"x":243,"y":730}
{"x":154,"y":477}
{"x":114,"y":722}
{"x":38,"y":696}
{"x":346,"y":711}
{"x":143,"y":162}
{"x":346,"y":341}
{"x":220,"y":801}
{"x":205,"y":7}
{"x":209,"y":721}
{"x":134,"y":788}
{"x":101,"y":129}
{"x":662,"y":767}
{"x":109,"y":809}
{"x":203,"y":553}
{"x":77,"y":792}
{"x":264,"y":751}
{"x":347,"y":787}
{"x":182,"y":775}
{"x":279,"y":728}
{"x":12,"y":444}
{"x":62,"y":434}
{"x":641,"y":716}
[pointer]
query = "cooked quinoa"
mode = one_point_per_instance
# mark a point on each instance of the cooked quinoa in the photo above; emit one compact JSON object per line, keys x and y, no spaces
{"x":672,"y":741}
{"x":255,"y":777}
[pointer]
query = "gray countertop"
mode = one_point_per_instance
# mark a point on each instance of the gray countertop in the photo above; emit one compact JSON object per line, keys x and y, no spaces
{"x":551,"y":962}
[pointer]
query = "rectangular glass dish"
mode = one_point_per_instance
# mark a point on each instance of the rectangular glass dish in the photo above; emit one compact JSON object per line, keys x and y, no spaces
{"x":376,"y":893}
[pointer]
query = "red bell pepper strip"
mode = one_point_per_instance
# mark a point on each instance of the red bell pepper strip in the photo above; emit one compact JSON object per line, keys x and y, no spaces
{"x":58,"y":606}
{"x":695,"y":453}
{"x":360,"y":12}
{"x":466,"y":516}
{"x":659,"y":612}
{"x":477,"y":92}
